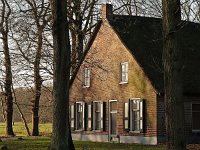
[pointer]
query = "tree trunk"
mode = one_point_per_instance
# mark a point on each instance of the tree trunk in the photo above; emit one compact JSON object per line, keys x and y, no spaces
{"x":8,"y":87}
{"x":172,"y":59}
{"x":38,"y":83}
{"x":60,"y":131}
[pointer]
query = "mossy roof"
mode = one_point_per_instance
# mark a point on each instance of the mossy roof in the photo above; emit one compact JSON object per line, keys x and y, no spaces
{"x":143,"y":37}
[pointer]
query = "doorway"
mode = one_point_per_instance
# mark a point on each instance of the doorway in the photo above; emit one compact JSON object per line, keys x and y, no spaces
{"x":112,"y":118}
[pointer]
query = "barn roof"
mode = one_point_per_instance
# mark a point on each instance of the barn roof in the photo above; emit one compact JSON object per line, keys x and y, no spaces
{"x":143,"y":37}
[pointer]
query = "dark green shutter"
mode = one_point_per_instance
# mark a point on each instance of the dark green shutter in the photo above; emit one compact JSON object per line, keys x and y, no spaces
{"x":103,"y":116}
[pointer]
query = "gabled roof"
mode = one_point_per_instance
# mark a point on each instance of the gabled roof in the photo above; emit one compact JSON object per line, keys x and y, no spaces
{"x":143,"y":37}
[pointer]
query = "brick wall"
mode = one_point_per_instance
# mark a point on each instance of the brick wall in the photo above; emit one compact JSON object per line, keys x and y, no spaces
{"x":103,"y":59}
{"x":188,"y":100}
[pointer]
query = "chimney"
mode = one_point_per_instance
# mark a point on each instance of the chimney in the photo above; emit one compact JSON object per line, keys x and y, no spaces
{"x":107,"y":11}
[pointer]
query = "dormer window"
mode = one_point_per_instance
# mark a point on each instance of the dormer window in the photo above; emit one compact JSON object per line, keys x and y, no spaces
{"x":86,"y":77}
{"x":124,"y":72}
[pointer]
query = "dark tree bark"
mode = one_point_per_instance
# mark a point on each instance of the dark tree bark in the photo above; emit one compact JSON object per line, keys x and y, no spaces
{"x":172,"y":59}
{"x":8,"y":89}
{"x":38,"y":84}
{"x":7,"y":63}
{"x":60,"y":131}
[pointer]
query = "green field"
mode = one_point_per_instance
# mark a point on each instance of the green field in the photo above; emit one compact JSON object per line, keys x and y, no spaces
{"x":19,"y":129}
{"x":43,"y":144}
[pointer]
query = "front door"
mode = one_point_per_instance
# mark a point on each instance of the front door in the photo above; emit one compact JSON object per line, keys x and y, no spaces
{"x":113,"y":117}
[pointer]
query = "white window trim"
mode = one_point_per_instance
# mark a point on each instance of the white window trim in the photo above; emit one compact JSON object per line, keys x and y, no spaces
{"x":86,"y":78}
{"x":83,"y":125}
{"x":126,"y":73}
{"x":141,"y":115}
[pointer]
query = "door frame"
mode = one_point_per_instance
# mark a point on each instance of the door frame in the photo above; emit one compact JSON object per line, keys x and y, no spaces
{"x":109,"y":120}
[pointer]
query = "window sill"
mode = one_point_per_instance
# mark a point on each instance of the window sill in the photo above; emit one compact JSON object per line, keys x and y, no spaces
{"x":97,"y":130}
{"x":135,"y":132}
{"x":79,"y":130}
{"x":123,"y":83}
{"x":84,"y":87}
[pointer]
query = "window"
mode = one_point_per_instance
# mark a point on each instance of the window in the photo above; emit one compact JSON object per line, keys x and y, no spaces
{"x":133,"y":115}
{"x":88,"y":116}
{"x":96,"y":112}
{"x":86,"y":77}
{"x":124,"y":72}
{"x":97,"y":115}
{"x":80,"y":110}
{"x":195,"y":117}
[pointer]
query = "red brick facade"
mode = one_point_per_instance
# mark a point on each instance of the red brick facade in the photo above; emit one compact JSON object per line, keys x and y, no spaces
{"x":103,"y":59}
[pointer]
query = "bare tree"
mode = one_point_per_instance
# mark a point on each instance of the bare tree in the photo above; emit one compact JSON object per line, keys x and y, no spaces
{"x":4,"y":29}
{"x":39,"y":14}
{"x":172,"y":60}
{"x":190,"y":10}
{"x":82,"y":16}
{"x":138,"y":7}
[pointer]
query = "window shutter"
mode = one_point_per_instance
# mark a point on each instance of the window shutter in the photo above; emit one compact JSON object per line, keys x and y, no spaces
{"x":83,"y":105}
{"x":72,"y":117}
{"x":141,"y":115}
{"x":104,"y":116}
{"x":93,"y":116}
{"x":126,"y":116}
{"x":89,"y":116}
{"x":86,"y":117}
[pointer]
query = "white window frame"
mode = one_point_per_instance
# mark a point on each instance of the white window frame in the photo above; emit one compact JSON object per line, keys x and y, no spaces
{"x":112,"y":111}
{"x":72,"y":118}
{"x":101,"y":115}
{"x":194,"y":130}
{"x":86,"y":77}
{"x":123,"y":73}
{"x":139,"y":109}
{"x":83,"y":115}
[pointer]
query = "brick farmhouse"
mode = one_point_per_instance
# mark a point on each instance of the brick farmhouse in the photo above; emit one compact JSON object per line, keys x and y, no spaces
{"x":117,"y":93}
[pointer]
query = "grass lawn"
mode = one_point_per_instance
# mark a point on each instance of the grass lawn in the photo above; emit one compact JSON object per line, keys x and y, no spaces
{"x":42,"y":144}
{"x":20,"y":130}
